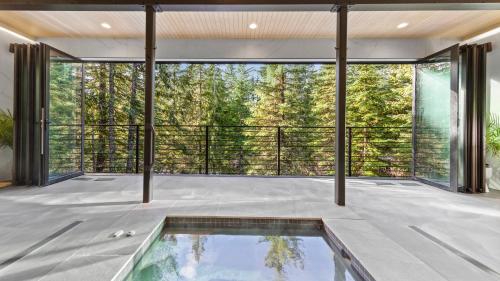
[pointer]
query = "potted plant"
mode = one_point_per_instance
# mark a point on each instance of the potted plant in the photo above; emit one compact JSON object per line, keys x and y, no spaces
{"x":6,"y":129}
{"x":492,"y":143}
{"x":6,"y":134}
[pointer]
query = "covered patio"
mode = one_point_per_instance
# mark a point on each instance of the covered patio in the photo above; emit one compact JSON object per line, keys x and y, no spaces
{"x":397,"y":229}
{"x":402,"y":202}
{"x":442,"y":144}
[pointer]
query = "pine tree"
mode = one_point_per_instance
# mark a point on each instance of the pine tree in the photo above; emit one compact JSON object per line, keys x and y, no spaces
{"x":102,"y":135}
{"x":64,"y":112}
{"x":132,"y":116}
{"x":323,"y":110}
{"x":374,"y":101}
{"x":224,"y":97}
{"x":298,"y":136}
{"x":268,"y":111}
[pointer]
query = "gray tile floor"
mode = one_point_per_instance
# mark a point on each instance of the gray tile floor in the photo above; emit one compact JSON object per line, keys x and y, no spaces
{"x":398,"y":230}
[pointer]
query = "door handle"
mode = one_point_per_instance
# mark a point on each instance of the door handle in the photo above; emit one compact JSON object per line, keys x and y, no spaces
{"x":42,"y":131}
{"x":153,"y":153}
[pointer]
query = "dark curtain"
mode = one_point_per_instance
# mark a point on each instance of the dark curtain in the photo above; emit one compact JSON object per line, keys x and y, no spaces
{"x":473,"y":82}
{"x":27,"y":99}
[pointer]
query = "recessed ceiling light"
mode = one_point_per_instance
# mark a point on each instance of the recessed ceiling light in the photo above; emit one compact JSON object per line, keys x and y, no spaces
{"x":253,"y":26}
{"x":403,"y":25}
{"x":106,"y":25}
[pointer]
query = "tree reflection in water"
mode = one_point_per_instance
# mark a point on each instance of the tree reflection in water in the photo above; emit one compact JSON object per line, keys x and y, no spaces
{"x":283,"y":251}
{"x":169,"y":266}
{"x":160,"y":263}
{"x":198,"y":246}
{"x":246,"y":257}
{"x":340,"y":274}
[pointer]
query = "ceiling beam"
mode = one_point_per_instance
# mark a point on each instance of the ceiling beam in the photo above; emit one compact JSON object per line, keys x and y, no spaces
{"x":246,"y":5}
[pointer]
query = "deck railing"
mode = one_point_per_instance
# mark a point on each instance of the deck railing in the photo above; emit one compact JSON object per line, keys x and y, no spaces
{"x":249,"y":150}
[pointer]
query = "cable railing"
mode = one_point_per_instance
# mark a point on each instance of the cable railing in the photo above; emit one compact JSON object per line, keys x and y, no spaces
{"x":249,"y":150}
{"x":113,"y":148}
{"x":65,"y":150}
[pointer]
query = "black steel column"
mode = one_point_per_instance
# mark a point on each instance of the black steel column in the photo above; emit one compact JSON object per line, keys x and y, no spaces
{"x":149,"y":103}
{"x":349,"y":151}
{"x":341,"y":76}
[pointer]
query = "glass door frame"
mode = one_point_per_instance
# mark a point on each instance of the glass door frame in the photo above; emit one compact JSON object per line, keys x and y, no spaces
{"x":454,"y":118}
{"x":45,"y":51}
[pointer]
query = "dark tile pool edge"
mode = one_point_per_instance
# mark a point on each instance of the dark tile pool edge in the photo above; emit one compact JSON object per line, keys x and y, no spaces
{"x":137,"y":255}
{"x":330,"y":238}
{"x":243,"y":222}
{"x":356,"y":265}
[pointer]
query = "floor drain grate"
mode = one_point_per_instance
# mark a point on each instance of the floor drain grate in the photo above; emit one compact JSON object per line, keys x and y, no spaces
{"x":82,"y":179}
{"x":104,"y":179}
{"x":383,"y":183}
{"x":410,"y":184}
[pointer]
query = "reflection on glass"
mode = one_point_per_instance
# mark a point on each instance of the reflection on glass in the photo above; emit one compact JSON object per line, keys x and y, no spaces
{"x":64,"y":116}
{"x":240,"y":256}
{"x":433,"y":120}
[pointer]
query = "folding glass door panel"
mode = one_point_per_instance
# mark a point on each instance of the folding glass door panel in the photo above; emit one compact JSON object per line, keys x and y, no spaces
{"x":62,"y":115}
{"x":436,"y":119}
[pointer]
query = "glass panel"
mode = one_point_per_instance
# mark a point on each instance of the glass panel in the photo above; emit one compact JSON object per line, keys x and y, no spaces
{"x":64,"y":116}
{"x":433,"y":105}
{"x":461,"y":129}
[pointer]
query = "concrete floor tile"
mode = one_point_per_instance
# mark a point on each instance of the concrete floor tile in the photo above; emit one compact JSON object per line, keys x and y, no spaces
{"x":374,"y":225}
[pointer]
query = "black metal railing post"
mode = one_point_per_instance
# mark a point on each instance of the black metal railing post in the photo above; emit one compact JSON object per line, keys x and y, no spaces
{"x":279,"y":151}
{"x":349,"y":151}
{"x":93,"y":152}
{"x":137,"y":149}
{"x":385,"y":151}
{"x":207,"y":144}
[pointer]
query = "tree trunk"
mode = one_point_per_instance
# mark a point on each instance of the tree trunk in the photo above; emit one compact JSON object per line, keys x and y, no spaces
{"x":282,"y":94}
{"x":111,"y":117}
{"x":101,"y":129}
{"x":132,"y":118}
{"x":201,"y":155}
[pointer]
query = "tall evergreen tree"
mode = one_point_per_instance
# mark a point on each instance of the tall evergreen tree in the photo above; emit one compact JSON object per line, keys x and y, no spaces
{"x":103,"y":119}
{"x":323,"y":110}
{"x":132,"y":116}
{"x":224,"y":97}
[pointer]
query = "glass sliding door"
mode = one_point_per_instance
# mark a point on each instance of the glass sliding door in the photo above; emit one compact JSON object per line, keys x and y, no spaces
{"x":63,"y":116}
{"x":436,"y":118}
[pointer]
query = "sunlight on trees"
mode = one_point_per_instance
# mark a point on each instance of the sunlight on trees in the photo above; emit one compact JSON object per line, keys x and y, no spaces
{"x":296,"y":97}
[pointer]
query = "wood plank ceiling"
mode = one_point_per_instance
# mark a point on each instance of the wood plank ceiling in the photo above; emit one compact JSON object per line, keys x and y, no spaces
{"x":234,"y":25}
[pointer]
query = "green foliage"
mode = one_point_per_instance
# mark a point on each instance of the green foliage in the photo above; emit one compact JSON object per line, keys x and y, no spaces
{"x":65,"y":117}
{"x":225,"y":97}
{"x":6,"y":129}
{"x":493,"y":135}
{"x":379,"y":96}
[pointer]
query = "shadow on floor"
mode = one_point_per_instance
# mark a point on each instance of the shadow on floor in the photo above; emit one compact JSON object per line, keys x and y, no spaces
{"x":99,"y":204}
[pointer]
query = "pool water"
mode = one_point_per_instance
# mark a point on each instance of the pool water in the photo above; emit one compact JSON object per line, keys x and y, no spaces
{"x":243,"y":255}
